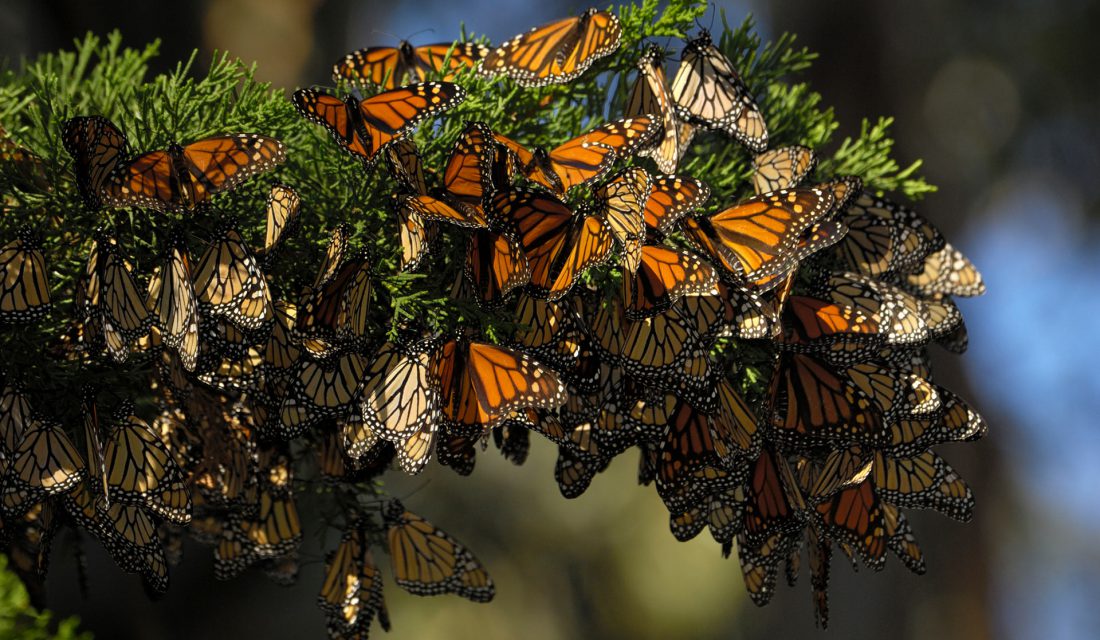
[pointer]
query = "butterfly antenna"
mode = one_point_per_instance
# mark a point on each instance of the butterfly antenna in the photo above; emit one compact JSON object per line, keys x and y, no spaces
{"x":413,"y":35}
{"x":385,"y":33}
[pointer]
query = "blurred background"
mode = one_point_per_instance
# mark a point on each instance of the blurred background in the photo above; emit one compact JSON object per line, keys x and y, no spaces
{"x":1001,"y":101}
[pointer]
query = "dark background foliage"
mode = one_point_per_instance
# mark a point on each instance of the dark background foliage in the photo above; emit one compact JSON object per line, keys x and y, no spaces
{"x":998,"y":98}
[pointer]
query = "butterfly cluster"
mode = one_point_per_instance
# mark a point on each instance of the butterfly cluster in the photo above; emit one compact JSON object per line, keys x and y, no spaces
{"x":766,"y":357}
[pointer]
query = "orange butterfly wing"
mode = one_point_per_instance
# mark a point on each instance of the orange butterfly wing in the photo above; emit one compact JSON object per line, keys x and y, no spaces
{"x":389,"y":115}
{"x":219,"y":163}
{"x":556,"y":52}
{"x":97,"y":146}
{"x":147,"y":180}
{"x":672,"y":197}
{"x":363,"y":128}
{"x":506,"y":380}
{"x":589,"y":156}
{"x":432,"y":57}
{"x":621,"y":201}
{"x":587,"y":244}
{"x":332,"y":113}
{"x":763,"y":232}
{"x":469,"y":167}
{"x":495,"y":265}
{"x":665,"y":275}
{"x":381,"y":66}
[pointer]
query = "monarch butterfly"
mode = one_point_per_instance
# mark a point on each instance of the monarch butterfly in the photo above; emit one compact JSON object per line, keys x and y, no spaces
{"x":93,"y":447}
{"x":585,"y":158}
{"x":338,"y":308}
{"x":758,"y":238}
{"x":365,"y":127}
{"x":781,"y":168}
{"x":664,"y":276}
{"x":556,"y":52}
{"x":334,"y":254}
{"x":650,"y":95}
{"x":513,"y":438}
{"x":914,"y":435}
{"x":229,"y":282}
{"x":844,"y":324}
{"x":404,"y":158}
{"x":722,"y":512}
{"x":942,"y":317}
{"x":476,"y":167}
{"x":697,"y":457}
{"x":946,"y":272}
{"x":885,"y":238}
{"x":613,"y":420}
{"x":708,"y":92}
{"x":173,"y":303}
{"x":418,"y":211}
{"x":129,"y":534}
{"x":229,"y":477}
{"x":773,"y":503}
{"x":427,"y":561}
{"x":283,"y":208}
{"x":557,"y":244}
{"x":549,"y":331}
{"x":900,"y":539}
{"x":239,"y":372}
{"x":923,"y":481}
{"x":276,"y":530}
{"x":25,"y":295}
{"x":281,"y":351}
{"x":363,"y":445}
{"x":482,"y":384}
{"x":184,"y":176}
{"x":812,"y":400}
{"x":458,"y":450}
{"x":728,"y":311}
{"x":899,"y":317}
{"x":820,"y":552}
{"x":671,"y":198}
{"x":140,"y":471}
{"x":574,"y":470}
{"x":660,"y":348}
{"x":111,"y":303}
{"x":388,"y":66}
{"x":854,"y":516}
{"x":902,"y":316}
{"x":401,"y":402}
{"x":621,"y":201}
{"x":821,"y":235}
{"x":495,"y":265}
{"x":97,"y":147}
{"x":45,"y":463}
{"x":320,"y":390}
{"x":760,"y":563}
{"x":177,"y":430}
{"x":351,"y":593}
{"x":15,"y":415}
{"x":270,"y":529}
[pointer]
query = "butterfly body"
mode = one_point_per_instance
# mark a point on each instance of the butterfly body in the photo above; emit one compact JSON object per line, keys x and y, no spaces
{"x":388,"y":66}
{"x":585,"y":158}
{"x":183,"y":176}
{"x":708,"y":92}
{"x":651,"y":95}
{"x":365,"y":127}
